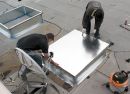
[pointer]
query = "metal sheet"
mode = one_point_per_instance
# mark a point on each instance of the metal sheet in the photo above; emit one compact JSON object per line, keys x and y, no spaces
{"x":73,"y":53}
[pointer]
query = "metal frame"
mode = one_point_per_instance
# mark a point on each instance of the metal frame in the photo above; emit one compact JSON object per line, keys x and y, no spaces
{"x":22,"y":25}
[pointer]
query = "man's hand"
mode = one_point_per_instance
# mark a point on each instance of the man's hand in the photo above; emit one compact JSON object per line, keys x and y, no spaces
{"x":46,"y":56}
{"x":52,"y":62}
{"x":56,"y":64}
{"x":94,"y":31}
{"x":84,"y":32}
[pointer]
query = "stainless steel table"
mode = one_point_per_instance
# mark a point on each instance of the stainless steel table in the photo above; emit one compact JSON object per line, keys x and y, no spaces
{"x":77,"y":57}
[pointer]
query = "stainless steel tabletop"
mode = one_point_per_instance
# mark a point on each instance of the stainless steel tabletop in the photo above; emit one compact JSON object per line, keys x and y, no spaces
{"x":73,"y":53}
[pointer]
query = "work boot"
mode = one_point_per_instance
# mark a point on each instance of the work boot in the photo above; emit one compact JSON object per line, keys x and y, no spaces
{"x":97,"y":35}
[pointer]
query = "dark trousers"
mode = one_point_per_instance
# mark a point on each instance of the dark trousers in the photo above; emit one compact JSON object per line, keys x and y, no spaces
{"x":37,"y":57}
{"x":86,"y":23}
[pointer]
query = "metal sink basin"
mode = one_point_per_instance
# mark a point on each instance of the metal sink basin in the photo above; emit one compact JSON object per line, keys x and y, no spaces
{"x":13,"y":23}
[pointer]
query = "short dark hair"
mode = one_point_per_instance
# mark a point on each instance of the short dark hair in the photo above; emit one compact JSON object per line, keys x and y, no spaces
{"x":50,"y":36}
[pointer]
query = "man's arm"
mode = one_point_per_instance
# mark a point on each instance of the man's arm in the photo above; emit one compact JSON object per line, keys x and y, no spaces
{"x":46,"y":56}
{"x":93,"y":13}
{"x":52,"y":62}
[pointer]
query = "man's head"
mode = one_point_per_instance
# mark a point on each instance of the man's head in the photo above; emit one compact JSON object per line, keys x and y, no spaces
{"x":50,"y":37}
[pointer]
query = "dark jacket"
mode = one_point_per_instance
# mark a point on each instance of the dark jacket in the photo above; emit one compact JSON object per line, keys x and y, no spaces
{"x":98,"y":14}
{"x":93,"y":5}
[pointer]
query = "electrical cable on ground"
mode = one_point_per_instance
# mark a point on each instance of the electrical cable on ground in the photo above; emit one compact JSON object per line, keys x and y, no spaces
{"x":121,"y":51}
{"x":117,"y":61}
{"x":55,"y":25}
{"x":103,"y":73}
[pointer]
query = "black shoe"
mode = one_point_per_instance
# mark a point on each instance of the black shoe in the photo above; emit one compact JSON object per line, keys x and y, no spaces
{"x":97,"y":36}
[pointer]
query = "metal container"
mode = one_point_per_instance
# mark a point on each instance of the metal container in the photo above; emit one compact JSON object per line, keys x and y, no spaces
{"x":78,"y":58}
{"x":14,"y":22}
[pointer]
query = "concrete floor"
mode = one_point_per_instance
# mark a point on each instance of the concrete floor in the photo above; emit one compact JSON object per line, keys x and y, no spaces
{"x":67,"y":14}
